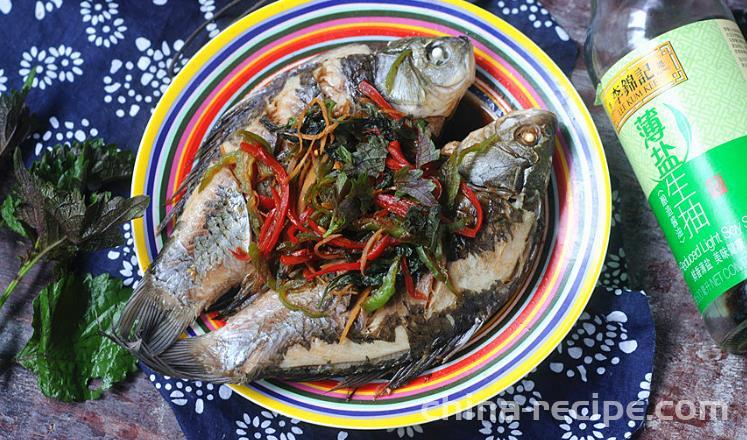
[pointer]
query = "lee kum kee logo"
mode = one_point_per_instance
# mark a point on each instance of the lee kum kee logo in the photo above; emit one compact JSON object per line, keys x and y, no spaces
{"x":641,"y":81}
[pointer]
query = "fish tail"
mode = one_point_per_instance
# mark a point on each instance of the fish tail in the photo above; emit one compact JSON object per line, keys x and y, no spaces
{"x":151,"y":318}
{"x":185,"y":358}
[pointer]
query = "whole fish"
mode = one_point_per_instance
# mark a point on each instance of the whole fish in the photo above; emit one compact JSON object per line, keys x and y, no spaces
{"x":423,"y":77}
{"x":406,"y":336}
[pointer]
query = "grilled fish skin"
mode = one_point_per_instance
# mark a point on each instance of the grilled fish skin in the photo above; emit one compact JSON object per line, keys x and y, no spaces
{"x":195,"y":267}
{"x":407,"y":336}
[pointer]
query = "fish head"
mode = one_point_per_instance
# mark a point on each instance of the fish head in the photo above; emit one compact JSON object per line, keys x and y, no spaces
{"x":425,"y":77}
{"x":518,"y":152}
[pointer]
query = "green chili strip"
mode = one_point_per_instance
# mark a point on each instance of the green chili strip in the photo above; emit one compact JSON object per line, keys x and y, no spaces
{"x":283,"y":295}
{"x":452,"y":178}
{"x":430,"y":264}
{"x":229,"y":159}
{"x":261,"y":265}
{"x":383,"y":293}
{"x":392,"y":74}
{"x":253,"y":138}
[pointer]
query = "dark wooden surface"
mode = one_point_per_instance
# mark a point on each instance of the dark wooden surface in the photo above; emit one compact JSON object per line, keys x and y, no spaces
{"x":688,"y":365}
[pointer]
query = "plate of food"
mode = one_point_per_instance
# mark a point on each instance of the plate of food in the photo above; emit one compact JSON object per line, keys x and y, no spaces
{"x":365,"y":215}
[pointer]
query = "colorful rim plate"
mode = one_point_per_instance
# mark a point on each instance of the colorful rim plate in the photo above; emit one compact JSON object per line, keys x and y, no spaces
{"x":512,"y":73}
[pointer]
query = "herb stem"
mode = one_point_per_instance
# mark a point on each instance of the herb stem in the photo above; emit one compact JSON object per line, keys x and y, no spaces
{"x":25,"y":267}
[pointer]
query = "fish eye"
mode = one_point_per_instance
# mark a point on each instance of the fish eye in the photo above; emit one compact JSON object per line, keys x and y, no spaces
{"x":528,"y":135}
{"x":437,"y":54}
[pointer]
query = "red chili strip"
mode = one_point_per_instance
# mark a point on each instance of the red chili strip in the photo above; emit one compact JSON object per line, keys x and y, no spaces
{"x":265,"y":202}
{"x":393,"y":204}
{"x":298,"y":257}
{"x":347,"y":243}
{"x":267,"y":242}
{"x":266,"y":225}
{"x":395,"y":149}
{"x":410,"y":284}
{"x":439,"y":189}
{"x":291,"y":233}
{"x":266,"y":158}
{"x":273,"y":226}
{"x":393,"y":164}
{"x":240,"y":254}
{"x":339,"y":267}
{"x":367,"y":89}
{"x":472,"y":197}
{"x":382,"y":245}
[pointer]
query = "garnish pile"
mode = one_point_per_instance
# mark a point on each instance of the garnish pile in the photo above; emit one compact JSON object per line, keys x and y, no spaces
{"x":61,"y":206}
{"x":359,"y":201}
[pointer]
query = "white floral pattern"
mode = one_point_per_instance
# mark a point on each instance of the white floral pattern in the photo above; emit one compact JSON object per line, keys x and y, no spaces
{"x":129,"y":268}
{"x":596,"y":343}
{"x":538,"y":15}
{"x":523,"y":394}
{"x":131,"y":85}
{"x":104,"y":27}
{"x":207,"y":7}
{"x":187,"y":392}
{"x":645,"y":387}
{"x":614,"y":272}
{"x":582,"y":425}
{"x":616,"y":203}
{"x":501,"y":427}
{"x":43,"y":7}
{"x":268,"y":425}
{"x":58,"y":63}
{"x":62,"y":132}
{"x":3,"y":81}
{"x":6,"y":6}
{"x":407,"y":431}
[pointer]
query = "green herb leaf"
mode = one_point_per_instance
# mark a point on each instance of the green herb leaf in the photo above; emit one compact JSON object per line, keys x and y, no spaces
{"x":357,"y":200}
{"x":85,"y":166}
{"x":51,"y":201}
{"x":16,"y":121}
{"x":425,"y":149}
{"x":422,"y":225}
{"x":369,"y":157}
{"x":9,"y":213}
{"x":72,"y":360}
{"x":411,"y":183}
{"x":54,"y":204}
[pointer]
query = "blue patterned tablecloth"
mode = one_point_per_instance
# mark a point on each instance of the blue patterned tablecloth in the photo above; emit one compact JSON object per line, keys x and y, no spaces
{"x":102,"y":66}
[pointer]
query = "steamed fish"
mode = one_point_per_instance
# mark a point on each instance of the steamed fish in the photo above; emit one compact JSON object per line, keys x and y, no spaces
{"x":504,"y":168}
{"x":205,"y":258}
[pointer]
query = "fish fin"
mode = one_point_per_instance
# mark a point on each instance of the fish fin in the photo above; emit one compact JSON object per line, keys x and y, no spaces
{"x":209,"y":150}
{"x":182,"y":359}
{"x":441,"y":350}
{"x":148,"y":319}
{"x":358,"y":380}
{"x":236,"y":299}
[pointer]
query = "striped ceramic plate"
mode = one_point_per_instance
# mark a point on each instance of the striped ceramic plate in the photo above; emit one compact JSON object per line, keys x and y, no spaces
{"x":512,"y":73}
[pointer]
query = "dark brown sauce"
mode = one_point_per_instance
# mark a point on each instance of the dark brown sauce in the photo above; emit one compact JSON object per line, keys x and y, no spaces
{"x":469,"y":115}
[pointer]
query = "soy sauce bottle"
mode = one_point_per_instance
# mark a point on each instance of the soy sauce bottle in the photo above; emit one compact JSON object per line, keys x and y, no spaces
{"x":672,"y":77}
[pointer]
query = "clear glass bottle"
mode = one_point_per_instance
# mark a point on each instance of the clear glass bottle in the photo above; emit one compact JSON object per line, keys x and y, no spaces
{"x":668,"y":75}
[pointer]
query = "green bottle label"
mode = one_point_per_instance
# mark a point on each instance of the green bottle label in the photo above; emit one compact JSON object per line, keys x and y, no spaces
{"x":679,"y":106}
